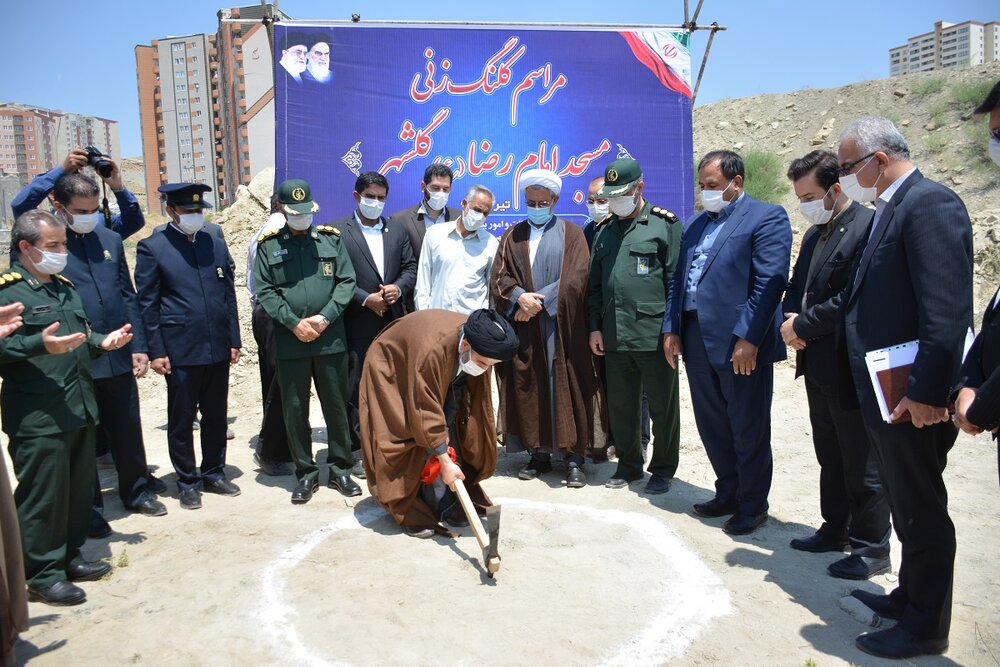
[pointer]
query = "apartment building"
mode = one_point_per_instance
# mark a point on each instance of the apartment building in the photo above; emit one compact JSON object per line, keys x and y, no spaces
{"x":948,"y":46}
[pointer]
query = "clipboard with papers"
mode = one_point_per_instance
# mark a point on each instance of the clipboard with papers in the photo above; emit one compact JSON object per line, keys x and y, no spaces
{"x":889,"y":371}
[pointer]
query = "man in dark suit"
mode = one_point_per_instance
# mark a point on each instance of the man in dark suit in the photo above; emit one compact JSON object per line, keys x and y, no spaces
{"x":432,"y":209}
{"x":723,"y":313}
{"x":187,"y":300}
{"x":386,"y":272}
{"x":97,"y":267}
{"x":913,"y":282}
{"x":851,"y":500}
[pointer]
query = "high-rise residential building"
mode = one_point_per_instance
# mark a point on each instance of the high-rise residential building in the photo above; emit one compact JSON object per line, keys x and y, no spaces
{"x":206,"y":104}
{"x":34,"y":139}
{"x":948,"y":46}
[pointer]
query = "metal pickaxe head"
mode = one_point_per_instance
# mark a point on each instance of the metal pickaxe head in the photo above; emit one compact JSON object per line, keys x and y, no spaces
{"x":490,"y":555}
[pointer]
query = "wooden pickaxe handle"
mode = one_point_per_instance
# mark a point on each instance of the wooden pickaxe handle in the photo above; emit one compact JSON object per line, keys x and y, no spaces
{"x":471,"y":515}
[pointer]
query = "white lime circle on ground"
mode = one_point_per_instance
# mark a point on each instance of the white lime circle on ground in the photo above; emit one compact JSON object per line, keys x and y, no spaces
{"x":687,"y":598}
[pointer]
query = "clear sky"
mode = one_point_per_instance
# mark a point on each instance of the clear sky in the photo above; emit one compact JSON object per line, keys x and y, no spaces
{"x":78,"y":56}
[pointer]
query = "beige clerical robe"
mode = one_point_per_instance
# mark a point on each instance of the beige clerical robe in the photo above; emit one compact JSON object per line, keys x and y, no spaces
{"x":408,"y":373}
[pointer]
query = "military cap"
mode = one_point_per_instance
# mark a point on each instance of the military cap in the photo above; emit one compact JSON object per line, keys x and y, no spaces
{"x":295,"y":196}
{"x":619,"y":177}
{"x":185,"y":195}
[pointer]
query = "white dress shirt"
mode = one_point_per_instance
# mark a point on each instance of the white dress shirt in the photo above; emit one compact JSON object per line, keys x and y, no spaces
{"x":373,"y":237}
{"x":534,"y":238}
{"x":428,"y":220}
{"x":454,"y":270}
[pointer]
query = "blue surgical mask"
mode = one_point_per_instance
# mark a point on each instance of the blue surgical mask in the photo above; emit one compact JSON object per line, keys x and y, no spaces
{"x":539,"y":216}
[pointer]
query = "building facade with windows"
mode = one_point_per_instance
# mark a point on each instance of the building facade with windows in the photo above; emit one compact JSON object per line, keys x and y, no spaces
{"x":948,"y":46}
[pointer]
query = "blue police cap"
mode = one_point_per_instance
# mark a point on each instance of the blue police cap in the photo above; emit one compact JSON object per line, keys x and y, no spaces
{"x":185,"y":195}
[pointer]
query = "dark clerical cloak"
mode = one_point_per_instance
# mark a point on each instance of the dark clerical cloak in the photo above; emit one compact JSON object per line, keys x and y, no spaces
{"x":547,"y":390}
{"x":407,"y":379}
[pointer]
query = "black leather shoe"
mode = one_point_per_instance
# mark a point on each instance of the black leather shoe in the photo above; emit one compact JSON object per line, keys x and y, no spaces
{"x":87,"y":571}
{"x":149,"y":506}
{"x":744,"y":524}
{"x":60,"y":594}
{"x":817,"y":543}
{"x":419,"y":533}
{"x":456,"y":517}
{"x":345,"y":485}
{"x":99,"y":527}
{"x":222,"y":487}
{"x":620,"y":481}
{"x":883,"y":605}
{"x":715,"y":508}
{"x":358,"y":470}
{"x":271,"y":468}
{"x":534,"y":467}
{"x":575,"y":477}
{"x":190,"y":499}
{"x":898,"y":642}
{"x":303,"y":493}
{"x":155,"y":484}
{"x":859,"y":567}
{"x":656,"y":485}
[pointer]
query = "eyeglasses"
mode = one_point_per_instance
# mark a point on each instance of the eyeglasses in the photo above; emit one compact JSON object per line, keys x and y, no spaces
{"x":538,"y":204}
{"x":845,"y":169}
{"x":995,"y":133}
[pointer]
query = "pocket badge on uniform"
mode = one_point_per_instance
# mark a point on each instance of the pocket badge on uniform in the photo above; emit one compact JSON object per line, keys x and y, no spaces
{"x":220,"y":273}
{"x":327,"y":269}
{"x":642,"y":266}
{"x":107,"y":256}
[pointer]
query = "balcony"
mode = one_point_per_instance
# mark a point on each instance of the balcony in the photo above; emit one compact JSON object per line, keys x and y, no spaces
{"x":219,"y":161}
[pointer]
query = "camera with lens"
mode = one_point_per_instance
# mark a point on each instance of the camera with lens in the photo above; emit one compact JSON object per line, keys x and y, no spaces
{"x":99,"y":161}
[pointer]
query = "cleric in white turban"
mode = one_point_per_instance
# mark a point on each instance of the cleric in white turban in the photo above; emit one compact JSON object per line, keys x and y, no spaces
{"x":541,"y":178}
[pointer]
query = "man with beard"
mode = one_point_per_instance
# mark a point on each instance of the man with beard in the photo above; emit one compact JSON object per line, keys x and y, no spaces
{"x":318,"y":60}
{"x":539,"y":280}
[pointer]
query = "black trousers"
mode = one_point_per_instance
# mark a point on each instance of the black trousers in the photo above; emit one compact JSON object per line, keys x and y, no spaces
{"x":851,"y":499}
{"x":355,"y":364}
{"x":272,"y":442}
{"x":120,"y":430}
{"x":911,"y":462}
{"x":733,"y":414}
{"x":188,"y":389}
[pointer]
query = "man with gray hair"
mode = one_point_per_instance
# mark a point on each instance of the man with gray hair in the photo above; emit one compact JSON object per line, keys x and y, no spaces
{"x":913,"y":283}
{"x":455,"y":262}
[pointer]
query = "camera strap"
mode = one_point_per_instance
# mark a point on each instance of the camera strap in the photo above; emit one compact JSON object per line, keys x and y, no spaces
{"x":104,"y":205}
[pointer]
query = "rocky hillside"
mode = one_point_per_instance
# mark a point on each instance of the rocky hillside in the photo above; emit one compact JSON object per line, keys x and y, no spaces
{"x":932,"y":110}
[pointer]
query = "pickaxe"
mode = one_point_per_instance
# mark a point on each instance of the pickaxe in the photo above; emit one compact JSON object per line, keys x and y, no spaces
{"x":488,"y":536}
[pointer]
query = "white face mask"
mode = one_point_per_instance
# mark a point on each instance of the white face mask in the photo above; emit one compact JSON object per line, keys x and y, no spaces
{"x":299,"y":223}
{"x":437,"y":200}
{"x":190,"y":223}
{"x":622,"y":206}
{"x":598,"y":211}
{"x":470,"y":367}
{"x":995,"y":150}
{"x":854,"y":190}
{"x":472,"y":220}
{"x":714,"y":200}
{"x":51,"y":262}
{"x":83,"y":223}
{"x":371,"y":209}
{"x":815,"y":211}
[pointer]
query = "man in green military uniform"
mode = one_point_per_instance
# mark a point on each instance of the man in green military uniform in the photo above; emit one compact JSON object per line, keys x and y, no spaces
{"x":305,"y":280}
{"x":49,"y":410}
{"x":631,"y":268}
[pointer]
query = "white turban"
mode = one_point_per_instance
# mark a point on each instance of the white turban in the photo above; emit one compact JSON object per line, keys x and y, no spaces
{"x":542,"y":178}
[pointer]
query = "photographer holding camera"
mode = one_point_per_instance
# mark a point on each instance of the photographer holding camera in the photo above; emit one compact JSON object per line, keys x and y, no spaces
{"x":127,"y":222}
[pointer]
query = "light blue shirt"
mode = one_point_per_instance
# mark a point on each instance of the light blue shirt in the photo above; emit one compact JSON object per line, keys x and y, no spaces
{"x":700,"y":256}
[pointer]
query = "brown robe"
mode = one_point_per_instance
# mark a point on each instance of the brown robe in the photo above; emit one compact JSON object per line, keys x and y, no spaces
{"x":525,"y":407}
{"x":408,"y":371}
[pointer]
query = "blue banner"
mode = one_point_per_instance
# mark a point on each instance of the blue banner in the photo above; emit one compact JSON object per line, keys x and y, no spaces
{"x":490,"y":102}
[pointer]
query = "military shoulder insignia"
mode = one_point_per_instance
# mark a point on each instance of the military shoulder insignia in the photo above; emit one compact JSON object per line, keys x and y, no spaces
{"x":9,"y":278}
{"x":268,"y":235}
{"x":664,"y":213}
{"x":64,"y":279}
{"x":328,"y":229}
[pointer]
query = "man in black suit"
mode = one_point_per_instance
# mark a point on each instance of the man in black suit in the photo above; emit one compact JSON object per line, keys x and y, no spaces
{"x":432,"y":209}
{"x":187,"y":300}
{"x":851,"y":500}
{"x":386,"y":272}
{"x":912,"y":282}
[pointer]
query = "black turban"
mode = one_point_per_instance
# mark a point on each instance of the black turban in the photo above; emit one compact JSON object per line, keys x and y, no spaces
{"x":491,"y":335}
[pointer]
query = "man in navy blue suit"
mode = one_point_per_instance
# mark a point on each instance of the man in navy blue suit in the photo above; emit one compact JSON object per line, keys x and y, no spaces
{"x":912,"y":283}
{"x":187,"y":299}
{"x":98,"y":269}
{"x":723,"y":314}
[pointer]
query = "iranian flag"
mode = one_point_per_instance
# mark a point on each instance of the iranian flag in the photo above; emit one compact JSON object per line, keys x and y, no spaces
{"x":666,"y":54}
